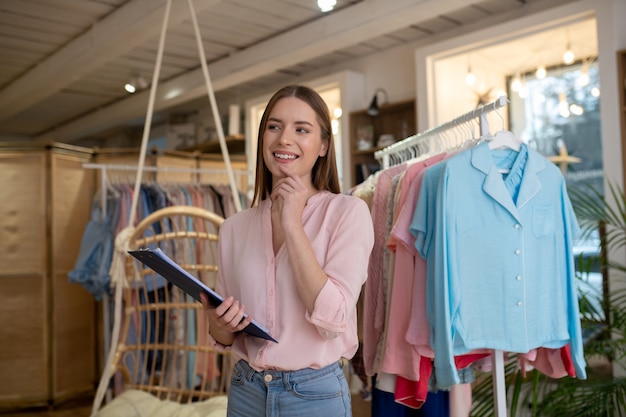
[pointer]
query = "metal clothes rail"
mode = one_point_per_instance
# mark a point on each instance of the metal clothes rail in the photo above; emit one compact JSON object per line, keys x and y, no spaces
{"x":413,"y":142}
{"x":104,"y":168}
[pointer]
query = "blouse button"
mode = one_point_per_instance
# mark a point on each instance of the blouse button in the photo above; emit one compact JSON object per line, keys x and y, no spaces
{"x":517,"y":226}
{"x":268,"y":378}
{"x":517,"y":251}
{"x":519,"y":277}
{"x":519,"y":303}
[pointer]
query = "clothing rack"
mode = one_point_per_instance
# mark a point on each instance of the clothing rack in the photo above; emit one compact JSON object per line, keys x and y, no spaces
{"x":413,"y":142}
{"x":104,"y":169}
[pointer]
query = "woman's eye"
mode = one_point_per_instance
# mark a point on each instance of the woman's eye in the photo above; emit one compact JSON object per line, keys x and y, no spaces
{"x":302,"y":130}
{"x":272,"y":127}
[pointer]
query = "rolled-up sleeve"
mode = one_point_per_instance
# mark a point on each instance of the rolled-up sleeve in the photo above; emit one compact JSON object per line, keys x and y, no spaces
{"x":345,"y":265}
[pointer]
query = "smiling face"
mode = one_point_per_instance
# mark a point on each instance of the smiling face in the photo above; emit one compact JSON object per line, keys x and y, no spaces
{"x":292,"y":139}
{"x":295,"y":131}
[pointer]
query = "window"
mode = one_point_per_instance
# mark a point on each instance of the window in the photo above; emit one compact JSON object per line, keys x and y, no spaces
{"x":559,"y":116}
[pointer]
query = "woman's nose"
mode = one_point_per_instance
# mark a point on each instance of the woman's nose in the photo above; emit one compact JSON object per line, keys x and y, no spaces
{"x":285,"y":138}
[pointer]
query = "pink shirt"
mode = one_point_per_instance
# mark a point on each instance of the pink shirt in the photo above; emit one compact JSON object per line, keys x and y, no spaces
{"x":374,"y":305}
{"x":401,"y":357}
{"x":340,"y":230}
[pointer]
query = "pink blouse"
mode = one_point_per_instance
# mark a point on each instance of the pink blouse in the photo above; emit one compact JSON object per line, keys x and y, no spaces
{"x":340,"y":230}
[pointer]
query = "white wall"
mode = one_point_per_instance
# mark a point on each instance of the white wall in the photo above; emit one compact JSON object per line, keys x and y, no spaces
{"x":611,"y":38}
{"x":393,"y":70}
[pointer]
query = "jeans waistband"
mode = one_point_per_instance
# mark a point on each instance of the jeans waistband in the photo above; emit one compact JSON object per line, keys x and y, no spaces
{"x":287,"y":377}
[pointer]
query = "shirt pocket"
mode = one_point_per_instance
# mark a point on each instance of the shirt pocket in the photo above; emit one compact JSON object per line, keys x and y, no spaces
{"x":468,"y":225}
{"x":543,"y":220}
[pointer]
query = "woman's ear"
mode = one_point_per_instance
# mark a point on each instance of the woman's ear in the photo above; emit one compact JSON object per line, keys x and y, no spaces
{"x":324,"y":149}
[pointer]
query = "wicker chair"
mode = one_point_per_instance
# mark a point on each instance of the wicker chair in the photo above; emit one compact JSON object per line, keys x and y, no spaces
{"x":163,"y":347}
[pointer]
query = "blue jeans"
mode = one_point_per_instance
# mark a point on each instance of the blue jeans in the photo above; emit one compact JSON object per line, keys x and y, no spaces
{"x":306,"y":392}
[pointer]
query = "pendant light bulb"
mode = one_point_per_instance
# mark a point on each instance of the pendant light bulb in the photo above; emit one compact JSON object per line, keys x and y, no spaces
{"x":541,"y":72}
{"x":470,"y":78}
{"x":516,"y":83}
{"x":568,"y":56}
{"x":583,"y":78}
{"x":523,"y":91}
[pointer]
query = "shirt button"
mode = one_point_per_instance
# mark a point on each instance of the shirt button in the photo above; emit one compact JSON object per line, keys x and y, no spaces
{"x":517,"y":226}
{"x":517,"y":251}
{"x":268,"y":378}
{"x":519,"y":277}
{"x":519,"y":303}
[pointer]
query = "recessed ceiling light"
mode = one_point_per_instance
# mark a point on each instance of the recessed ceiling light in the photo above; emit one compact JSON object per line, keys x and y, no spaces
{"x":326,"y":5}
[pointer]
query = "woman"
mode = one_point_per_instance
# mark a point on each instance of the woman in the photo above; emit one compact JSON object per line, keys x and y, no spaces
{"x":296,"y":260}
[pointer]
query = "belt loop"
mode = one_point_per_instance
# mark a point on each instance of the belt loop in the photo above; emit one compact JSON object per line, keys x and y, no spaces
{"x":249,"y":371}
{"x":287,"y":380}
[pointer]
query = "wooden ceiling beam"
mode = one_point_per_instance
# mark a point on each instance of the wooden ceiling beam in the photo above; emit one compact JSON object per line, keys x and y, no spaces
{"x":128,"y":27}
{"x":335,"y":31}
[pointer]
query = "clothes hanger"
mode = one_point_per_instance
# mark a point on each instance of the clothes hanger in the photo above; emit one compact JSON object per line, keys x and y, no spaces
{"x":503,"y":138}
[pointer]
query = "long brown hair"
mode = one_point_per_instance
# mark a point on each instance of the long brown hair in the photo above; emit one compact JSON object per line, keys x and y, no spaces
{"x":324,"y":174}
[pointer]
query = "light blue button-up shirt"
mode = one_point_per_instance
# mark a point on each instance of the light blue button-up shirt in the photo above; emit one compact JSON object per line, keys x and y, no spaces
{"x":499,"y":253}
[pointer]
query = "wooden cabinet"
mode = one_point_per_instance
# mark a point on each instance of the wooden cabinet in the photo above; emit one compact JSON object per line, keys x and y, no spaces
{"x":396,"y":121}
{"x":621,"y":86}
{"x":51,"y":328}
{"x":48,"y":351}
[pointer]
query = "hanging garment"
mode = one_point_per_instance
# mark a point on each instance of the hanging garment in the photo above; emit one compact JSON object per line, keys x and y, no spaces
{"x":91,"y":269}
{"x":402,"y":355}
{"x":498,"y":247}
{"x":375,"y":288}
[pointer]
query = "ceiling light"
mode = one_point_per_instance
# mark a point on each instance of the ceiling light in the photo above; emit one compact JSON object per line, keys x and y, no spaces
{"x":595,"y":91}
{"x":523,"y":91}
{"x":130,"y":87}
{"x":583,"y":78}
{"x":334,"y":123}
{"x":568,"y":56}
{"x":516,"y":83}
{"x":470,"y":78}
{"x":135,"y":84}
{"x":326,"y":5}
{"x":541,"y":72}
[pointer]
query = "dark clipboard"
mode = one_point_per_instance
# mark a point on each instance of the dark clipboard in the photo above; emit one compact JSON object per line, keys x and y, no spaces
{"x":158,"y":261}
